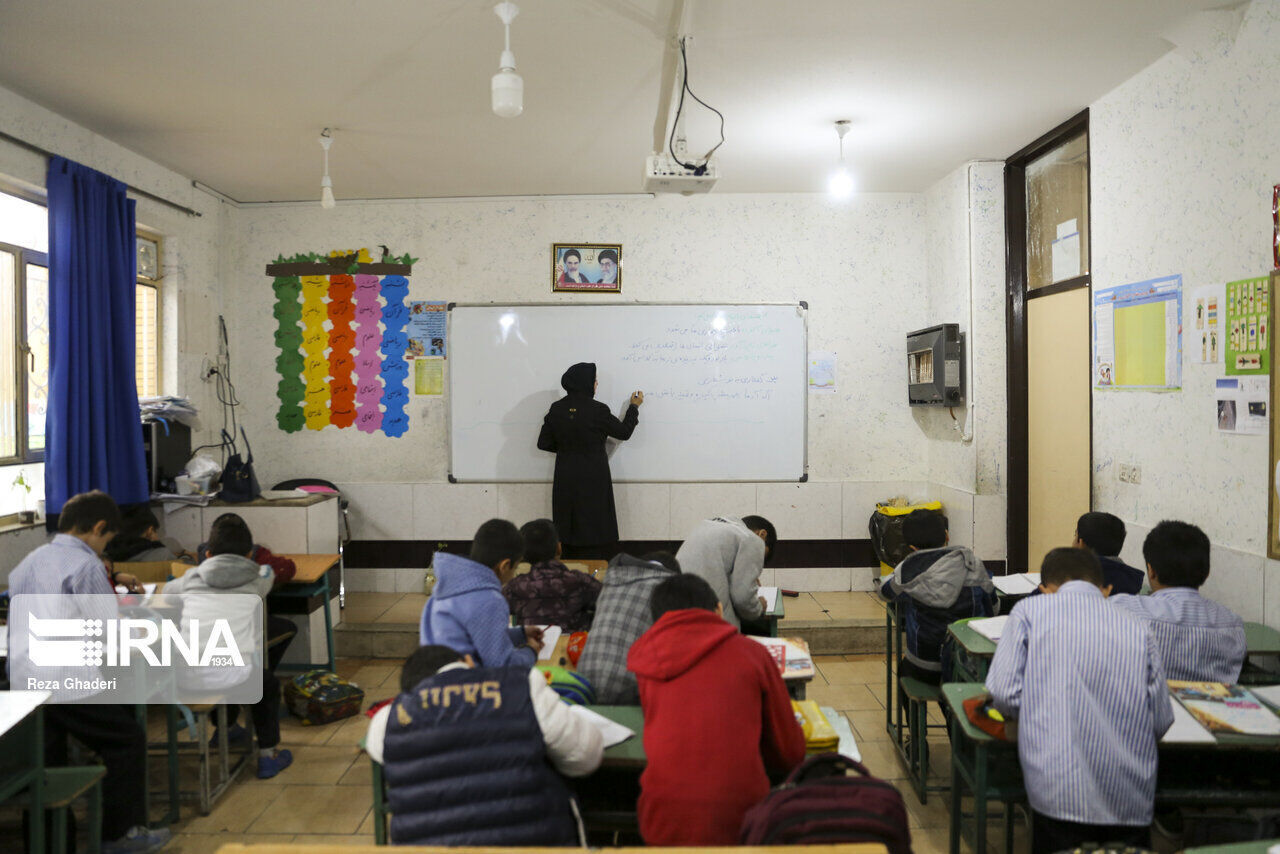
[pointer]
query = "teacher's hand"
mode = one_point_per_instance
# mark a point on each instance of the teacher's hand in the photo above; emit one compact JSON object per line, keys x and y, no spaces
{"x":637,"y":398}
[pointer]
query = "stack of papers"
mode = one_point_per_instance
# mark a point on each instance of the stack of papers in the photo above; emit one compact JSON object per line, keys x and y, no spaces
{"x":990,"y":627}
{"x":1017,"y":585}
{"x":770,"y":596}
{"x":167,"y":408}
{"x":791,"y":655}
{"x":550,"y":636}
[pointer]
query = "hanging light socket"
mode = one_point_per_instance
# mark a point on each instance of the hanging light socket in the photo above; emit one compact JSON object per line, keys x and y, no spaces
{"x":507,"y":86}
{"x":326,"y":185}
{"x":840,"y":184}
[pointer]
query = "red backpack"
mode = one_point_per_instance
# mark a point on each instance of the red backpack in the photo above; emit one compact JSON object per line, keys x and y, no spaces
{"x":819,"y":804}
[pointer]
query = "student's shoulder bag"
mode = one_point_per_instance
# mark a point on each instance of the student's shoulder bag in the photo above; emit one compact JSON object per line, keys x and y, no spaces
{"x":239,"y":483}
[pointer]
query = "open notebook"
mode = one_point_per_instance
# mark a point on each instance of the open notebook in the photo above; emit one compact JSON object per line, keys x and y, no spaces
{"x":990,"y":627}
{"x":1017,"y":585}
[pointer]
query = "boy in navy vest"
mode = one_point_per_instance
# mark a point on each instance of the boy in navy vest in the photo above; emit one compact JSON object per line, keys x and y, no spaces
{"x":472,"y":753}
{"x":1104,"y":534}
{"x":467,"y":611}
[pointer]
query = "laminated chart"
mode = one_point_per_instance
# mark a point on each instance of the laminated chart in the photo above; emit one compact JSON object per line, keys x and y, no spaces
{"x":341,"y":331}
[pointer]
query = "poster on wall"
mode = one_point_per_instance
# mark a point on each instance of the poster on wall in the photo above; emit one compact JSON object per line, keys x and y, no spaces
{"x":822,"y":372}
{"x":1241,"y":404}
{"x":428,"y":376}
{"x":427,"y":325}
{"x":1137,"y":336}
{"x":1248,"y":338}
{"x":1204,"y":322}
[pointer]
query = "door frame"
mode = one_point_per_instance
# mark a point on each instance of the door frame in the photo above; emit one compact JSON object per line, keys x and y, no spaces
{"x":1016,"y":296}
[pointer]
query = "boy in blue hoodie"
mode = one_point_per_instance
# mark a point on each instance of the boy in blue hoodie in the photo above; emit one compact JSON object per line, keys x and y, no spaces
{"x":938,"y":584}
{"x":467,"y":611}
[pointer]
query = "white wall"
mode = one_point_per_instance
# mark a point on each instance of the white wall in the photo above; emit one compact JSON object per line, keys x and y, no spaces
{"x":966,"y":285}
{"x":1183,"y":159}
{"x":190,"y":289}
{"x":861,"y":267}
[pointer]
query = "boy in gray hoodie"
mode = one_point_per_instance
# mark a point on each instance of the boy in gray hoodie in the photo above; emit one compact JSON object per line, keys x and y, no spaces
{"x":228,"y":569}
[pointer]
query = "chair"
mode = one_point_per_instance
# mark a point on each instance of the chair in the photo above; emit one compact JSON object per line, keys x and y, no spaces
{"x":344,"y":524}
{"x":914,"y":750}
{"x":61,"y":788}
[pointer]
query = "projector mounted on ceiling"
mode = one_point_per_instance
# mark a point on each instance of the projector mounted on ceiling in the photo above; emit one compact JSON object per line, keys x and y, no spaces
{"x":662,"y":174}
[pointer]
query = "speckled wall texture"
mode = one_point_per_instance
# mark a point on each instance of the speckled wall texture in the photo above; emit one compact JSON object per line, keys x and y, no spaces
{"x":1183,"y":158}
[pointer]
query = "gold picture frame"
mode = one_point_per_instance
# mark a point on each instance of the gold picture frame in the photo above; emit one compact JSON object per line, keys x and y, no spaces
{"x":596,"y":269}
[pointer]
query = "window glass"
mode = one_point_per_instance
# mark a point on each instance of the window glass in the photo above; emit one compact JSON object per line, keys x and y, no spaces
{"x":148,"y":351}
{"x":8,"y":350}
{"x":1057,"y":186}
{"x":37,"y":361}
{"x":24,"y":223}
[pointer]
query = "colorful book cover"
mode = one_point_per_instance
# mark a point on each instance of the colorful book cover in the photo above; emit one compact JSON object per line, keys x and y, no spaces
{"x":1225,"y":708}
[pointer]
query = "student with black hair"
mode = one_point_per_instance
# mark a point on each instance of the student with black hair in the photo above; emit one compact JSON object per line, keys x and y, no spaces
{"x":139,"y":540}
{"x":71,"y":564}
{"x":936,"y":585}
{"x":474,"y":755}
{"x":467,"y":612}
{"x":550,"y":593}
{"x":729,"y":554}
{"x":1104,"y":534}
{"x":1084,"y":681}
{"x":1198,"y":639}
{"x":718,"y":722}
{"x":622,"y":616}
{"x":231,"y":568}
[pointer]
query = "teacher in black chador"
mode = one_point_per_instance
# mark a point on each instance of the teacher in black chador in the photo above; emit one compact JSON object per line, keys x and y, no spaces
{"x":575,"y":430}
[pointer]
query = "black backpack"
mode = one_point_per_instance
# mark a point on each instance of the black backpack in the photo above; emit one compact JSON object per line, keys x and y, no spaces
{"x":239,"y":483}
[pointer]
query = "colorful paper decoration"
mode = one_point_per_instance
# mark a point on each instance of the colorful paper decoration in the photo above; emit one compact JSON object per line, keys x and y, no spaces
{"x":368,"y":362}
{"x":290,"y":389}
{"x":337,"y":365}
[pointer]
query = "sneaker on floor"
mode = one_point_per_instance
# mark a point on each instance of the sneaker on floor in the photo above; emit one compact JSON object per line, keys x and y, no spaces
{"x":269,"y":766}
{"x":139,"y":840}
{"x":240,"y":737}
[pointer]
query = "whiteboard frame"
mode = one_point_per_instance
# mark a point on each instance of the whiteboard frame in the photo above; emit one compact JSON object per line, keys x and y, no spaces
{"x":803,"y":305}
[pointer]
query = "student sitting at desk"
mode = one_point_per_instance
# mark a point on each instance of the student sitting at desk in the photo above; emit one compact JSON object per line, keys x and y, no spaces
{"x":622,"y":616}
{"x":1104,"y":535}
{"x":230,"y":568}
{"x":466,"y":611}
{"x":1085,"y":683}
{"x":1198,"y":640}
{"x":718,"y":722}
{"x":550,"y":593}
{"x":139,"y":540}
{"x":729,"y":554}
{"x":72,"y":565}
{"x":472,"y":754}
{"x":936,"y":585}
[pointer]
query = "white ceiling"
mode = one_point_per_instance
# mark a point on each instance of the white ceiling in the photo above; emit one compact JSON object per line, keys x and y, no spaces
{"x":233,"y":93}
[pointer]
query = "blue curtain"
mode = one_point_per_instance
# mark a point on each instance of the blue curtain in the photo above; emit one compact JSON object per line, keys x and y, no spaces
{"x":93,"y":438}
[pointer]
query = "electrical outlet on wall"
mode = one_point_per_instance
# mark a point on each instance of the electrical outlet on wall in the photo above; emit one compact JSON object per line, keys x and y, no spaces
{"x":1135,"y":473}
{"x":1124,"y":470}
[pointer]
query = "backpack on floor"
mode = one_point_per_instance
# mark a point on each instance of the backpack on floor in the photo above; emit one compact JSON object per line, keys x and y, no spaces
{"x":322,"y":697}
{"x":819,"y":804}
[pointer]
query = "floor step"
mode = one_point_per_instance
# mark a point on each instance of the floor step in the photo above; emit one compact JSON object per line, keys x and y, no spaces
{"x":825,"y":637}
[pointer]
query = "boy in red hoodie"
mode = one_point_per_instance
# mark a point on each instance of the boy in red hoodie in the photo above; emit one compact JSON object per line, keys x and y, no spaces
{"x":718,"y":723}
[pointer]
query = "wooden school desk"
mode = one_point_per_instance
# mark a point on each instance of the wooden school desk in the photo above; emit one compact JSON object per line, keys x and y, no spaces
{"x":22,"y":744}
{"x":973,"y":652}
{"x":1233,"y":771}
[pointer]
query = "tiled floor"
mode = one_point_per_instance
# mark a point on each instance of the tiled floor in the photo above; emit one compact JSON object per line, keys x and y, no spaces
{"x":326,"y":796}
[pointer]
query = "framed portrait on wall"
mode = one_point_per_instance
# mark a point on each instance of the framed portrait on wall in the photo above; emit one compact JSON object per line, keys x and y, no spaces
{"x":586,"y":267}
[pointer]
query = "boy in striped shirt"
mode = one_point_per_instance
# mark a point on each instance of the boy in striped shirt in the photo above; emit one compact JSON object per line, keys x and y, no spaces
{"x":1198,"y":639}
{"x":1085,"y":682}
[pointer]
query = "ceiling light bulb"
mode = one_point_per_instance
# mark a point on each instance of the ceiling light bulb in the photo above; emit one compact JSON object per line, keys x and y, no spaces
{"x":508,"y":86}
{"x":508,"y":92}
{"x":840,"y":184}
{"x":326,"y":193}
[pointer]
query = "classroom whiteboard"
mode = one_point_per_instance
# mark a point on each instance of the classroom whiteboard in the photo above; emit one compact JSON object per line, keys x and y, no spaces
{"x":724,"y":386}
